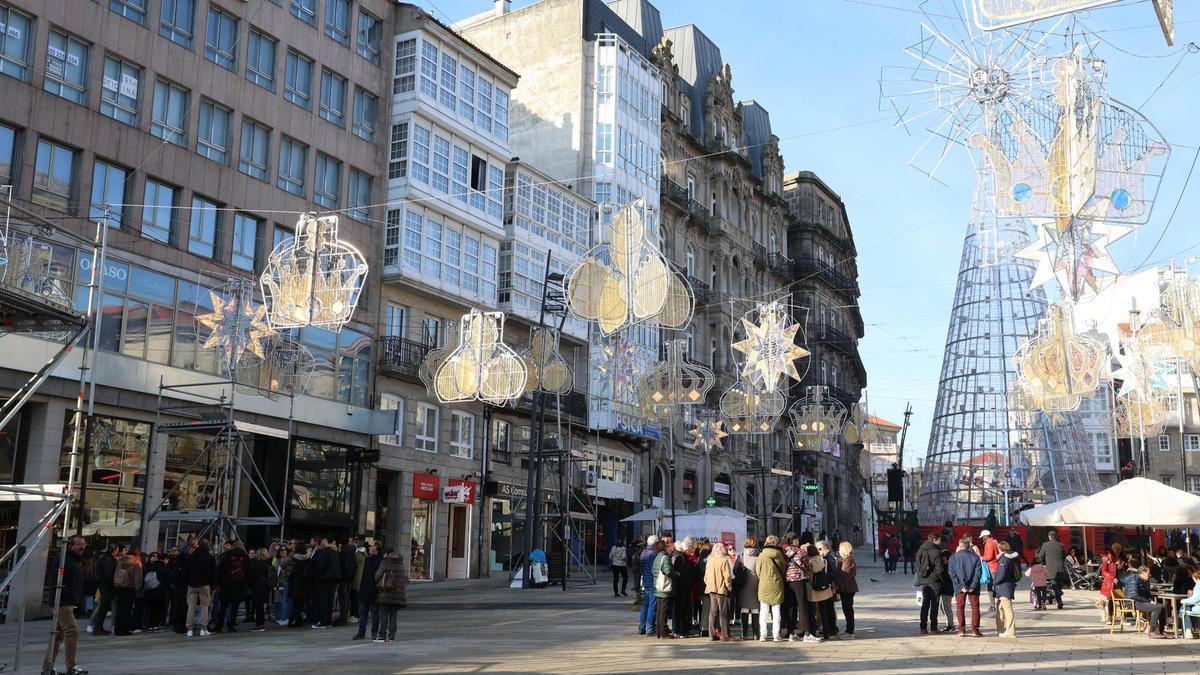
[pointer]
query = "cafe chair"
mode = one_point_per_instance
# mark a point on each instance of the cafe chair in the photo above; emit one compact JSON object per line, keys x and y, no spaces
{"x":1123,"y":608}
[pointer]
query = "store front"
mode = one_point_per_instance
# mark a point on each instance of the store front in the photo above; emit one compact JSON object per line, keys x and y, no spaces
{"x":112,"y":479}
{"x":425,"y":495}
{"x":460,"y":496}
{"x":321,"y":501}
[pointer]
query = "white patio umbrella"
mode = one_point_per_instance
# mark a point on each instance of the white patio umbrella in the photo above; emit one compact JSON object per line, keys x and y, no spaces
{"x":1136,"y":502}
{"x":1049,"y":515}
{"x":650,"y":515}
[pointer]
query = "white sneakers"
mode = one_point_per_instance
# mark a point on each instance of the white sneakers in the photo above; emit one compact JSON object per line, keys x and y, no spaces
{"x":813,"y":638}
{"x":204,"y":633}
{"x":762,"y":638}
{"x":89,"y":628}
{"x":190,"y":632}
{"x":792,"y":637}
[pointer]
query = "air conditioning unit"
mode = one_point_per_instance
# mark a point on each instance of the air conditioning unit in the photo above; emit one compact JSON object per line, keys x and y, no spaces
{"x":589,"y":478}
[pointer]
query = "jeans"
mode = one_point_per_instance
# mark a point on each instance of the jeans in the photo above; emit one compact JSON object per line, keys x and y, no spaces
{"x":102,"y":609}
{"x":929,"y":607}
{"x":848,"y":611}
{"x":961,"y":600}
{"x":367,"y":608}
{"x":623,"y":573}
{"x":770,"y":614}
{"x":1056,"y":589}
{"x":1191,"y":619}
{"x":646,"y":615}
{"x":66,"y":633}
{"x":1157,"y":612}
{"x":283,"y":608}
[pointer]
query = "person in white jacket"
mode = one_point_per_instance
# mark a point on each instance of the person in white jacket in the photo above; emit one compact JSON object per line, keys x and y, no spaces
{"x":1189,"y":607}
{"x":619,"y":565}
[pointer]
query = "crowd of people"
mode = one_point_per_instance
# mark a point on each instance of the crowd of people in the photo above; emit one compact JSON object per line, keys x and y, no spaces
{"x":194,"y":591}
{"x":784,"y":589}
{"x":1130,"y":576}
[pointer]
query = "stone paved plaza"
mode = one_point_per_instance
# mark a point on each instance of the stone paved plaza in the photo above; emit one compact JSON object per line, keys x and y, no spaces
{"x":480,"y":627}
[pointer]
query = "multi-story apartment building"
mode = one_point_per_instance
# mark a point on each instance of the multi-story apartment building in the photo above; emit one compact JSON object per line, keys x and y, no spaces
{"x":880,"y":453}
{"x":198,"y":132}
{"x":821,"y":246}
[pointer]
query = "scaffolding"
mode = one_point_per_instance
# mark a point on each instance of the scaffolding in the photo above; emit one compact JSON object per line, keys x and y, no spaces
{"x":988,"y":454}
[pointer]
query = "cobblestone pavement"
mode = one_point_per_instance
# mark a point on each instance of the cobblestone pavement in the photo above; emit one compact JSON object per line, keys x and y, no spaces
{"x":482,"y":627}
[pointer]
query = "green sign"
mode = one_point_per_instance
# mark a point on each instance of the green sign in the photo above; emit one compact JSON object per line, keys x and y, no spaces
{"x":711,"y":501}
{"x":811,"y":486}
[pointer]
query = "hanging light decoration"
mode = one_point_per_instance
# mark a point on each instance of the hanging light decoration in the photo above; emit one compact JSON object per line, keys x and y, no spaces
{"x":238,"y":329}
{"x":434,"y":358}
{"x":313,"y":279}
{"x":1058,"y":366}
{"x":546,"y":367}
{"x":672,"y":383}
{"x":482,"y":367}
{"x":816,"y":420}
{"x":286,"y":368}
{"x":770,"y":347}
{"x":747,"y":410}
{"x":627,"y":281}
{"x":859,"y":428}
{"x":708,"y":433}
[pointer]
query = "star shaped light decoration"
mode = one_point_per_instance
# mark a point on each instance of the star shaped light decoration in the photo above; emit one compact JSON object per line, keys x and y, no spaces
{"x":1059,"y":366}
{"x":237,"y":326}
{"x":1074,"y":255}
{"x":708,"y":434}
{"x":770,"y":347}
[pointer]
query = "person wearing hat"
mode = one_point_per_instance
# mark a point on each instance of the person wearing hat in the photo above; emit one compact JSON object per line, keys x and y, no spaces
{"x":991,"y":558}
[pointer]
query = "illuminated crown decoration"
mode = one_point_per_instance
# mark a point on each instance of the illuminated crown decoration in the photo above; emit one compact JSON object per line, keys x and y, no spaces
{"x":1058,"y":366}
{"x":546,"y":367}
{"x":817,"y":421}
{"x":769,"y":348}
{"x":672,"y":383}
{"x":313,"y":279}
{"x":627,"y":281}
{"x":746,"y":410}
{"x":482,"y":367}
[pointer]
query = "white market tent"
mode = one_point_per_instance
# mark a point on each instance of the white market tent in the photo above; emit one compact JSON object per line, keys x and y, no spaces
{"x":1049,"y":515}
{"x":651,"y":515}
{"x":1133,"y":503}
{"x":716,"y":524}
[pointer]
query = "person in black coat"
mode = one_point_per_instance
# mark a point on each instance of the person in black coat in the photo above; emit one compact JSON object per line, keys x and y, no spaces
{"x":260,"y":588}
{"x":325,"y":569}
{"x":300,"y":587}
{"x":66,"y":631}
{"x":682,"y":588}
{"x":233,"y":577}
{"x":347,"y":565}
{"x":367,"y":592}
{"x":929,"y":578}
{"x":156,"y":597}
{"x":106,"y":567}
{"x":177,"y":574}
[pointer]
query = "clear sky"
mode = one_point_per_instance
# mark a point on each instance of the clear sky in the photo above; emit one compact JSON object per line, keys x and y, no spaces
{"x":815,"y":65}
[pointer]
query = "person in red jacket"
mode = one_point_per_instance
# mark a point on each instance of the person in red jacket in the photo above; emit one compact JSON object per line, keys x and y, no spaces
{"x":991,"y":558}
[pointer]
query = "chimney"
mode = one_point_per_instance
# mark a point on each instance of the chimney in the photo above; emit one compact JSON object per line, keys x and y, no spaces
{"x":502,"y":7}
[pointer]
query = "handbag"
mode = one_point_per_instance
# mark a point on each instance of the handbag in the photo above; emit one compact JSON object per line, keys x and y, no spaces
{"x":985,"y":574}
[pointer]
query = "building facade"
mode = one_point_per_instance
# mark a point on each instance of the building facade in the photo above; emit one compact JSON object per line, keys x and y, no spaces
{"x":197,"y":133}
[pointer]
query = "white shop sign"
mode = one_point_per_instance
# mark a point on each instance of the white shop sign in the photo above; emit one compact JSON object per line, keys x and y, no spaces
{"x":456,"y":494}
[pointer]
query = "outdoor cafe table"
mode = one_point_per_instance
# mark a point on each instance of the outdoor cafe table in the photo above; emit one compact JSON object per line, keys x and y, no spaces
{"x":1171,"y":600}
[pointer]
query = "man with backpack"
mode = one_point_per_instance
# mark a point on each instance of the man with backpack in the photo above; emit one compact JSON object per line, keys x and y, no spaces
{"x":233,"y":573}
{"x":104,"y":569}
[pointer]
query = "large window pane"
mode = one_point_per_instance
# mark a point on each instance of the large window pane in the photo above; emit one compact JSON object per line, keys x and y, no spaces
{"x":133,"y":338}
{"x":358,"y":196}
{"x":202,"y":230}
{"x":115,"y":473}
{"x":256,"y":140}
{"x":333,"y":98}
{"x":8,"y":151}
{"x":108,"y":193}
{"x":178,"y":21}
{"x":15,"y":41}
{"x":370,"y":32}
{"x":337,"y":20}
{"x":54,"y":176}
{"x":292,"y":156}
{"x":220,"y":42}
{"x":111,"y":315}
{"x":365,"y":107}
{"x":120,"y":89}
{"x":169,"y":116}
{"x":212,"y":136}
{"x":321,"y":478}
{"x":245,"y":238}
{"x":134,"y":10}
{"x":158,"y":212}
{"x":260,"y":60}
{"x":298,"y":80}
{"x":305,"y":10}
{"x":66,"y":67}
{"x":328,"y":181}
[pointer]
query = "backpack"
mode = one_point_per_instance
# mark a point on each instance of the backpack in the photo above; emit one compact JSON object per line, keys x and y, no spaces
{"x":151,"y":581}
{"x":237,"y":572}
{"x":820,"y":580}
{"x":985,"y":575}
{"x":122,"y":578}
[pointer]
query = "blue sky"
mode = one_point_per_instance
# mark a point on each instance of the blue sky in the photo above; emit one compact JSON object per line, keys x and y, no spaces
{"x":815,"y":65}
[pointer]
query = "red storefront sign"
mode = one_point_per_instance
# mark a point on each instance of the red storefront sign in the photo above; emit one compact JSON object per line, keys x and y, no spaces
{"x":426,"y":486}
{"x":470,"y":485}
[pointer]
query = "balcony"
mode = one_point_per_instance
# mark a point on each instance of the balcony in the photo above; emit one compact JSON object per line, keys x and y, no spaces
{"x":700,"y":289}
{"x":811,"y":267}
{"x":400,"y":355}
{"x":700,"y":216}
{"x":674,"y":192}
{"x":760,"y":254}
{"x":715,"y":148}
{"x":570,"y":404}
{"x":836,"y":338}
{"x":779,"y":263}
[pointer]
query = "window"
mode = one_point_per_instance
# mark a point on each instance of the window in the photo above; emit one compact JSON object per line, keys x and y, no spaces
{"x":134,"y":10}
{"x":8,"y":152}
{"x":291,"y":165}
{"x":398,"y":152}
{"x":305,"y":10}
{"x":391,"y":238}
{"x":449,"y":82}
{"x":328,"y":184}
{"x":1164,"y":443}
{"x":109,"y":183}
{"x":1166,"y":480}
{"x":280,"y":235}
{"x":260,"y":60}
{"x":168,"y":119}
{"x":393,"y":402}
{"x":15,"y":40}
{"x":245,"y":239}
{"x":297,"y":86}
{"x":220,"y":42}
{"x":333,"y":98}
{"x":119,"y":94}
{"x":256,"y":140}
{"x":158,"y":211}
{"x":441,"y":164}
{"x":426,"y":433}
{"x":202,"y":230}
{"x":370,"y":32}
{"x":501,"y":441}
{"x":212,"y":135}
{"x":462,"y":434}
{"x":604,"y":139}
{"x":1191,"y":442}
{"x":54,"y":176}
{"x":358,"y":196}
{"x":1193,"y":484}
{"x":429,"y":67}
{"x":365,"y":113}
{"x":685,"y":113}
{"x":483,"y":103}
{"x":337,"y":20}
{"x":431,"y":330}
{"x":460,"y":175}
{"x":177,"y":22}
{"x":406,"y":67}
{"x":466,"y":93}
{"x":690,"y":261}
{"x":500,"y":121}
{"x":66,"y":67}
{"x":395,"y":321}
{"x":420,"y":154}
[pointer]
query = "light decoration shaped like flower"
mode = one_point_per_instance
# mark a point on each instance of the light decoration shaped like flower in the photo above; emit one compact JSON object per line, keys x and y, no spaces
{"x":672,"y":383}
{"x":617,"y":363}
{"x":817,"y":420}
{"x":708,"y":434}
{"x":238,"y":329}
{"x":1059,"y":366}
{"x":548,"y":370}
{"x":747,"y":410}
{"x":769,"y":348}
{"x":627,"y":281}
{"x":482,"y":367}
{"x":434,"y":358}
{"x":313,"y":279}
{"x":858,"y":427}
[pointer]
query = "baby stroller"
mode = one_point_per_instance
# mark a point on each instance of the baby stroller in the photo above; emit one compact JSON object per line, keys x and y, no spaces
{"x":1081,"y":579}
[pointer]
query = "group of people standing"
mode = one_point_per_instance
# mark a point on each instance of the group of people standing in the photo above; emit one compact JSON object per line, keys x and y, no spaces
{"x":784,"y":588}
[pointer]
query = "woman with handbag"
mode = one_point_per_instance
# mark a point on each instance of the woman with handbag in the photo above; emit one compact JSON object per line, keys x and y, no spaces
{"x":390,"y":583}
{"x":664,"y":586}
